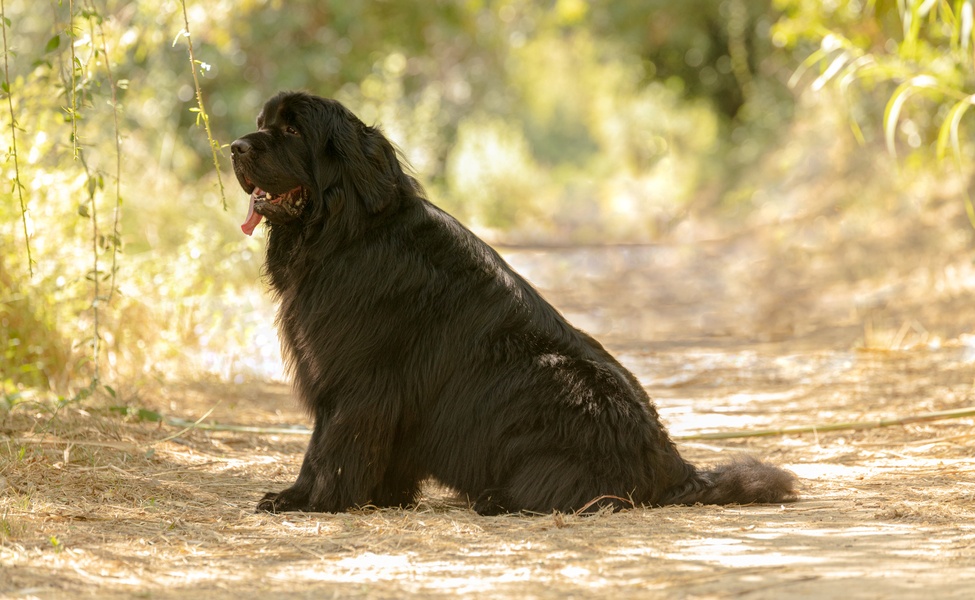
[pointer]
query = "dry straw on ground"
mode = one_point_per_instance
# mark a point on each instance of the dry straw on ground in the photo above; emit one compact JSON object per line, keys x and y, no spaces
{"x":94,"y":505}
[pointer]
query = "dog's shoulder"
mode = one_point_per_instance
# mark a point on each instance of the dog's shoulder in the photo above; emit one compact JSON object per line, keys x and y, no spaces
{"x":445,"y":239}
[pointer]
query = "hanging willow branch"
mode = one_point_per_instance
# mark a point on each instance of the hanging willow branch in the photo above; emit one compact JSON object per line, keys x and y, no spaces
{"x":116,"y":234}
{"x":94,"y":181}
{"x":13,"y":137}
{"x":75,"y":63}
{"x":201,"y":113}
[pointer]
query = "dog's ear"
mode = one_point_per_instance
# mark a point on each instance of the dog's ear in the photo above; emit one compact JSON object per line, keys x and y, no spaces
{"x":376,"y":176}
{"x":356,"y":157}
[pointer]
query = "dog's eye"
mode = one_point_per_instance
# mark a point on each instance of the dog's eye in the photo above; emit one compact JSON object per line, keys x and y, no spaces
{"x":291,"y":130}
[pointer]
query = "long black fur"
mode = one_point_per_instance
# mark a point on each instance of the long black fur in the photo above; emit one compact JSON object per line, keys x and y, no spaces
{"x":421,"y":353}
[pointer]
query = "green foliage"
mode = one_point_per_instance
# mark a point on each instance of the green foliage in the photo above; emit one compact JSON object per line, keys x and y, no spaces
{"x":554,"y":119}
{"x":916,"y":53}
{"x":137,"y":413}
{"x":70,"y":316}
{"x":573,"y":162}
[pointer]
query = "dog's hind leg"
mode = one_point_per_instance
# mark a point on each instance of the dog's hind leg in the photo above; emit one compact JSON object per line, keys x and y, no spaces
{"x":400,"y":485}
{"x":544,"y":483}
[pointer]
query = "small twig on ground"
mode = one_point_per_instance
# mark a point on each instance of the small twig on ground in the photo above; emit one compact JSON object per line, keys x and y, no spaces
{"x":193,"y":425}
{"x":595,"y":500}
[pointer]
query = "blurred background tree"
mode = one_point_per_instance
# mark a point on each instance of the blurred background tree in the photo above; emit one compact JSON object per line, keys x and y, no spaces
{"x":533,"y":121}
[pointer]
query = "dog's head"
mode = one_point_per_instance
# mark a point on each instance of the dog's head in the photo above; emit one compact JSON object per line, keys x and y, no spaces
{"x":311,"y":157}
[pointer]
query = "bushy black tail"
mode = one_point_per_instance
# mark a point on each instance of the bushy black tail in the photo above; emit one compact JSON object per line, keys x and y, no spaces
{"x":741,"y":481}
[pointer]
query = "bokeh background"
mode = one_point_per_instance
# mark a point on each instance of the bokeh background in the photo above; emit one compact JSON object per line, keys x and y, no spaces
{"x":815,"y":126}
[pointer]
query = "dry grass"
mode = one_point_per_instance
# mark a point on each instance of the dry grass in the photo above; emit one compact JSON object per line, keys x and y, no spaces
{"x":91,"y":505}
{"x":94,"y":505}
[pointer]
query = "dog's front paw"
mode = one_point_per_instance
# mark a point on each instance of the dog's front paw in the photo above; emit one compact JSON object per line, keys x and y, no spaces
{"x":277,"y":502}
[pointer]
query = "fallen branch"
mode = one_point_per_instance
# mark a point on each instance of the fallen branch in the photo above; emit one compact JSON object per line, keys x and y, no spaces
{"x":821,"y":427}
{"x":717,"y":435}
{"x":286,"y":430}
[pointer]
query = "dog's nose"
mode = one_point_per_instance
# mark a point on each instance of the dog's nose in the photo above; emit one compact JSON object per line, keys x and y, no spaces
{"x":240,"y":146}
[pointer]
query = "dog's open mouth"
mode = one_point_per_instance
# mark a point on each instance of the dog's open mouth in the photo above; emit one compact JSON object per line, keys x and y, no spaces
{"x":276,"y":207}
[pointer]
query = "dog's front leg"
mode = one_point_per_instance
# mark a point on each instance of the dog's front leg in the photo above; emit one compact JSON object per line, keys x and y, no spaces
{"x":345,"y":461}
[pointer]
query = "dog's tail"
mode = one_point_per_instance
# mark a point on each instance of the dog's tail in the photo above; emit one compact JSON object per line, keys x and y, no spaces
{"x":741,"y":481}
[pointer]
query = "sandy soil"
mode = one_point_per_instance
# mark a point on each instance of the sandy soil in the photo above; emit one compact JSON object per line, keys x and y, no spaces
{"x":726,"y":337}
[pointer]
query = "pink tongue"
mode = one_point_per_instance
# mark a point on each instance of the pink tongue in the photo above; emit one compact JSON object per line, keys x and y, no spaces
{"x":253,"y":219}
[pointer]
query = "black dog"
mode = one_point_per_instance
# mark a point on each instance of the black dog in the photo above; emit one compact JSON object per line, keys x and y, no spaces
{"x":421,"y":353}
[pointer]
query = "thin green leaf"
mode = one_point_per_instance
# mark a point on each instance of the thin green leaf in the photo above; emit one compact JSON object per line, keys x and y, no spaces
{"x":896,"y":103}
{"x":949,"y":129}
{"x":851,"y":72}
{"x":969,"y":209}
{"x":815,"y":57}
{"x":53,"y":44}
{"x":857,"y":132}
{"x":966,"y":24}
{"x":834,"y":67}
{"x":145,"y":414}
{"x":182,"y":33}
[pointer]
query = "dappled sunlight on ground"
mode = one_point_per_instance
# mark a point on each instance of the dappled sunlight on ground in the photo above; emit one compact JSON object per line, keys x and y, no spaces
{"x":95,"y":506}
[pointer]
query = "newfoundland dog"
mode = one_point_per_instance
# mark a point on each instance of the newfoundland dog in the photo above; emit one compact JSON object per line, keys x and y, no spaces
{"x":421,"y":353}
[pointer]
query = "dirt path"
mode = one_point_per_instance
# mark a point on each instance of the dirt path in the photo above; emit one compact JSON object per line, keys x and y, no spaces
{"x":725,"y":339}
